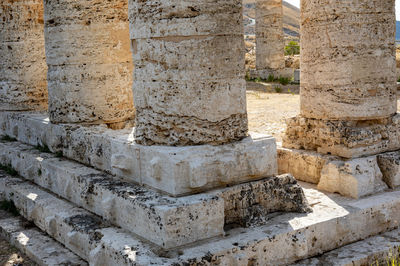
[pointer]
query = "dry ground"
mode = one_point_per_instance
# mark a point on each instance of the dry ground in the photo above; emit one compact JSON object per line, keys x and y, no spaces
{"x":267,"y":111}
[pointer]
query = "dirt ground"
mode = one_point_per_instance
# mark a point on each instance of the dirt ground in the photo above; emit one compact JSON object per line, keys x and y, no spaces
{"x":267,"y":111}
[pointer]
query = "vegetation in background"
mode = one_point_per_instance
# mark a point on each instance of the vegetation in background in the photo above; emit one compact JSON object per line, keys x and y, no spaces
{"x":270,"y":79}
{"x":293,"y":48}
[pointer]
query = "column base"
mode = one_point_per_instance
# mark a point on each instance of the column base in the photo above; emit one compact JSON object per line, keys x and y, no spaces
{"x":347,"y":139}
{"x":176,"y":171}
{"x":354,"y":178}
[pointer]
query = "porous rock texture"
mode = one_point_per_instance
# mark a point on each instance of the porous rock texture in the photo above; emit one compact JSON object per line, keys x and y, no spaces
{"x":269,"y":35}
{"x":250,"y":203}
{"x":354,"y":178}
{"x":89,"y":60}
{"x":189,"y":86}
{"x":23,"y":84}
{"x":348,"y":139}
{"x":389,"y":164}
{"x":348,"y":64}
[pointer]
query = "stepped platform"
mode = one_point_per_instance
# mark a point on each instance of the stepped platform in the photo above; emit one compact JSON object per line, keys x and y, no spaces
{"x":99,"y":235}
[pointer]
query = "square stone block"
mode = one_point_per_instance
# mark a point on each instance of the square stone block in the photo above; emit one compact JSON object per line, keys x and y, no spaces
{"x":176,"y":171}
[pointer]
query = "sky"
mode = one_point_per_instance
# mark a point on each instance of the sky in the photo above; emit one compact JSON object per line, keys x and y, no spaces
{"x":297,"y":3}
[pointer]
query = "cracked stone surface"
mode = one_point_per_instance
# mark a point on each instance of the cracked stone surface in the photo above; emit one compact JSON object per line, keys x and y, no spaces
{"x":23,"y":84}
{"x":189,"y":89}
{"x":348,"y":59}
{"x":90,"y":80}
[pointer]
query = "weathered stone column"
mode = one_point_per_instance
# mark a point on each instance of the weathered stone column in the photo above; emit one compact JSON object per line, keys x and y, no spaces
{"x":89,"y":60}
{"x":348,"y":95}
{"x":22,"y":61}
{"x":348,"y":59}
{"x":189,"y":71}
{"x":348,"y":88}
{"x":270,"y":43}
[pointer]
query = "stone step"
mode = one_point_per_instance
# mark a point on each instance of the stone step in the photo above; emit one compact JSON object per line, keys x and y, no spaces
{"x":82,"y":232}
{"x":177,"y":171}
{"x":35,"y":244}
{"x":279,"y":239}
{"x":366,"y":252}
{"x":166,"y":221}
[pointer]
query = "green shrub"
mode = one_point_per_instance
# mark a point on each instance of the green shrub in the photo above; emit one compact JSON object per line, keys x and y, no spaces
{"x":278,"y":89}
{"x":284,"y":80}
{"x":293,"y":48}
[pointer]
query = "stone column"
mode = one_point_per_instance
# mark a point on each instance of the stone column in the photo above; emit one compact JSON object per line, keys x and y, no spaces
{"x":22,"y":61}
{"x":270,"y":43}
{"x":189,"y":72}
{"x":348,"y":87}
{"x":89,"y":60}
{"x":348,"y":59}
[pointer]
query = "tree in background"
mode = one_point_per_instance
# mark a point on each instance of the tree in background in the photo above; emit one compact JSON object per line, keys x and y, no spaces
{"x":292,"y":48}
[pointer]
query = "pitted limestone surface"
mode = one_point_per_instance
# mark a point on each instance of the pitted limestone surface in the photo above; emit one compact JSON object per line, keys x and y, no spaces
{"x":38,"y":246}
{"x":348,"y":139}
{"x":334,"y":222}
{"x":175,"y":170}
{"x":250,"y":203}
{"x":348,"y":59}
{"x":23,"y":68}
{"x":188,"y":89}
{"x":269,"y":35}
{"x":89,"y":60}
{"x":166,"y":221}
{"x":389,"y":164}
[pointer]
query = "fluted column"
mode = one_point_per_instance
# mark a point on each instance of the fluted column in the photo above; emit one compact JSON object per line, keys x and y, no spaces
{"x":23,"y":67}
{"x":89,"y":60}
{"x":189,"y":71}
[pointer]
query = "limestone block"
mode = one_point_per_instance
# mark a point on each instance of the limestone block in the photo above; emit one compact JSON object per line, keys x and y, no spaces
{"x":189,"y":88}
{"x":355,"y":178}
{"x":250,"y":203}
{"x":89,"y":60}
{"x":158,"y":218}
{"x":303,"y":165}
{"x":35,"y":244}
{"x":270,"y":41}
{"x":23,"y":66}
{"x":174,"y":170}
{"x":284,"y":239}
{"x":389,"y":164}
{"x":348,"y":59}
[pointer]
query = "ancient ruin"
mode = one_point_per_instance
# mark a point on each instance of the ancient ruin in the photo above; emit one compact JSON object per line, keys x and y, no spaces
{"x":270,"y":44}
{"x":90,"y":80}
{"x":144,"y":154}
{"x":23,"y":83}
